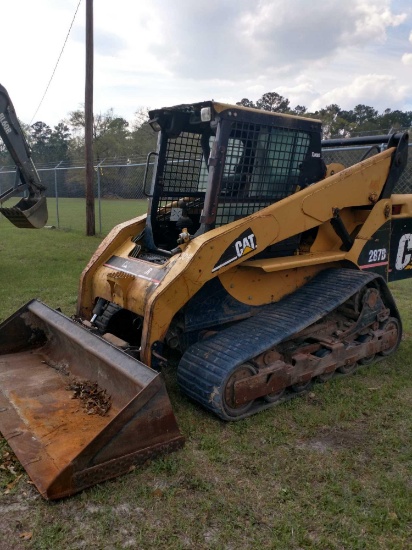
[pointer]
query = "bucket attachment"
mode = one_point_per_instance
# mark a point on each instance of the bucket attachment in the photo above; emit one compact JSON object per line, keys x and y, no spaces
{"x":28,"y":213}
{"x":59,"y":439}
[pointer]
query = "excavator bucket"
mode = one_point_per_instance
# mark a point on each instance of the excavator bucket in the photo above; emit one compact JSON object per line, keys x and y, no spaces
{"x":28,"y":213}
{"x":75,"y":409}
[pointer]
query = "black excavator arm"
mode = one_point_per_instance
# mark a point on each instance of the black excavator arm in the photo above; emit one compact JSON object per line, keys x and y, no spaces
{"x":30,"y":211}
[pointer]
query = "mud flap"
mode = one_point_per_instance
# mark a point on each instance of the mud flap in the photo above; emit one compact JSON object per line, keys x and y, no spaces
{"x":63,"y":448}
{"x":28,"y":213}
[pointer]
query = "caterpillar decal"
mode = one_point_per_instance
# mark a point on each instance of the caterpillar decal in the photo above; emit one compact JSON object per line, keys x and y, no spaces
{"x":243,"y":245}
{"x":401,"y":250}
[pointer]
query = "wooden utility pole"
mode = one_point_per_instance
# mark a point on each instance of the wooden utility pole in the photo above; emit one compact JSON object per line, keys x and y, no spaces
{"x":88,"y":122}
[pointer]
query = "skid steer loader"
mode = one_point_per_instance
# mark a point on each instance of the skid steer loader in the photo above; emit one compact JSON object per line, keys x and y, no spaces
{"x":257,"y":270}
{"x":31,"y":211}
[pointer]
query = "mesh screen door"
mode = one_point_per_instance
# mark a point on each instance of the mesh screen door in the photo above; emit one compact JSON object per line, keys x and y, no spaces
{"x":262,"y":166}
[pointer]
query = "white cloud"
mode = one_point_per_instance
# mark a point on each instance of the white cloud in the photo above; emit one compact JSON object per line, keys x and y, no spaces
{"x":301,"y":94}
{"x":369,"y":89}
{"x":240,"y":40}
{"x":373,"y":20}
{"x":161,"y":52}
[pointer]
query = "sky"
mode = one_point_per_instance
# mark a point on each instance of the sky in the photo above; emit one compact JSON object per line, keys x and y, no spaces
{"x":157,"y":53}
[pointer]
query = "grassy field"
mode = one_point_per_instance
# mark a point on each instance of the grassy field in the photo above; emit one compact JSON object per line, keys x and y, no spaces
{"x":69,"y":214}
{"x":47,"y":264}
{"x":328,"y":470}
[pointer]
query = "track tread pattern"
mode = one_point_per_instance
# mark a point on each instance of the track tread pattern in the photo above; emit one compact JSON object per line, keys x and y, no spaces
{"x":206,"y":365}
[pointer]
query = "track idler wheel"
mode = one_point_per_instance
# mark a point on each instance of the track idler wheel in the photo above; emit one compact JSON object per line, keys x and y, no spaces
{"x":391,"y":325}
{"x":230,"y":406}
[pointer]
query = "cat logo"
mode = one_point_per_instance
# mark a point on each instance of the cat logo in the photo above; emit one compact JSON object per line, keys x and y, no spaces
{"x":243,"y":245}
{"x":404,"y":257}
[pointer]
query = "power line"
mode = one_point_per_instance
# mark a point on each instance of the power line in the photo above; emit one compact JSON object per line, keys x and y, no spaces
{"x":54,"y":70}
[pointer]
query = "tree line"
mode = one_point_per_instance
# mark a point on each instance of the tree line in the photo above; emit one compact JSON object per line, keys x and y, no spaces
{"x":337,"y":122}
{"x":115,"y":138}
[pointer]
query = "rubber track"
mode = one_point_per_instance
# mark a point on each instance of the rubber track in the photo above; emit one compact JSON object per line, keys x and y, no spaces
{"x":205,"y":366}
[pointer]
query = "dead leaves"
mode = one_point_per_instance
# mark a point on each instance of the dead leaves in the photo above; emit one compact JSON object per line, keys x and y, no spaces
{"x":94,"y":399}
{"x":10,"y":464}
{"x":12,"y":484}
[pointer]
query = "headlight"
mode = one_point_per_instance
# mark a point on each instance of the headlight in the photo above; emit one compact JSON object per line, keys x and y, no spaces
{"x":205,"y":114}
{"x":155,"y":125}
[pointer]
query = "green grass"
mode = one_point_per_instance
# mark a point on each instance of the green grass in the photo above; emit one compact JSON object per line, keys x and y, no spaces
{"x":46,"y":264}
{"x":329,"y":470}
{"x":70,"y":214}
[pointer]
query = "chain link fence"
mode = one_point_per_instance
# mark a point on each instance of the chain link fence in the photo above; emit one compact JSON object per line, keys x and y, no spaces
{"x":114,"y":183}
{"x":118,"y":182}
{"x":348,"y":156}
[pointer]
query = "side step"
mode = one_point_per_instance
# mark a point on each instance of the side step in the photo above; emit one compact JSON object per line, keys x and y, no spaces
{"x":63,"y":447}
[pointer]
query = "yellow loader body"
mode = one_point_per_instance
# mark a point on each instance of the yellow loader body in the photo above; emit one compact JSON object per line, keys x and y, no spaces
{"x":256,"y":270}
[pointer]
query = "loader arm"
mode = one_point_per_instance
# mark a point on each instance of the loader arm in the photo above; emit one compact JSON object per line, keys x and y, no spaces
{"x":221,"y":252}
{"x":349,"y":191}
{"x":31,"y":211}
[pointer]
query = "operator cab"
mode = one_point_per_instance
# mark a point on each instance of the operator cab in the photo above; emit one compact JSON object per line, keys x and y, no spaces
{"x":217,"y":163}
